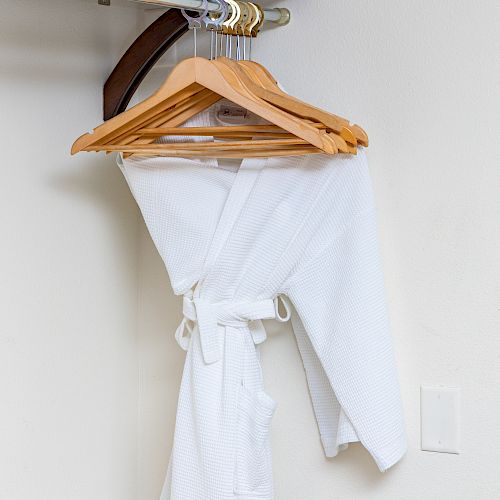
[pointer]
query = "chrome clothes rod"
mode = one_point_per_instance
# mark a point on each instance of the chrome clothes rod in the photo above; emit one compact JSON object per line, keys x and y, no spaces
{"x":279,"y":16}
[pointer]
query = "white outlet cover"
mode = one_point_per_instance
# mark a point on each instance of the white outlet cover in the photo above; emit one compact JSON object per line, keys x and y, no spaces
{"x":440,"y":419}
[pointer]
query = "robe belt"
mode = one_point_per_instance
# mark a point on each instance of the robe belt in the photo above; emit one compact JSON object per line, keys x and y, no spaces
{"x":209,"y":317}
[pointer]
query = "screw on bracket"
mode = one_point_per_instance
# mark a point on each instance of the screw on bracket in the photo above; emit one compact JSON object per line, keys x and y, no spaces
{"x":104,"y":2}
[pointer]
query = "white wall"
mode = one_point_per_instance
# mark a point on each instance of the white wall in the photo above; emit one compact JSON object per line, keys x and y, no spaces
{"x":89,"y":369}
{"x":423,"y":78}
{"x":68,"y":261}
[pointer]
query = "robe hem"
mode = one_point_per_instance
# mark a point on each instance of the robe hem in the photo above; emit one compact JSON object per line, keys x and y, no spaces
{"x":385,"y":458}
{"x":390,"y":454}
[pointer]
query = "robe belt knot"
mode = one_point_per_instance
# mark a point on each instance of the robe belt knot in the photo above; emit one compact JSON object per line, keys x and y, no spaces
{"x":210,"y":316}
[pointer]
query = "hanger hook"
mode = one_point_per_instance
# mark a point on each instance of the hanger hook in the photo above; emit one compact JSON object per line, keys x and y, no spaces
{"x":254,"y":25}
{"x":194,"y":23}
{"x":245,"y":15}
{"x":258,"y":27}
{"x":213,"y":23}
{"x":229,"y":26}
{"x":255,"y":18}
{"x":252,"y":19}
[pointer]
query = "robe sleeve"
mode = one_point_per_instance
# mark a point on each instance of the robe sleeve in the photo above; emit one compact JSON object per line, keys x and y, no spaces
{"x":342,"y":331}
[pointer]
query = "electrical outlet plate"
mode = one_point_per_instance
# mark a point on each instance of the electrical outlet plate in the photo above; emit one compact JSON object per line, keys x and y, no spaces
{"x":440,"y":419}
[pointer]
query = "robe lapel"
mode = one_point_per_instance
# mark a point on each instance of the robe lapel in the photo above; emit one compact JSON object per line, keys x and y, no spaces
{"x":245,"y":180}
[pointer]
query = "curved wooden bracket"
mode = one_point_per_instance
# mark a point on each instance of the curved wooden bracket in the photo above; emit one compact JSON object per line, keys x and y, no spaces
{"x":139,"y":59}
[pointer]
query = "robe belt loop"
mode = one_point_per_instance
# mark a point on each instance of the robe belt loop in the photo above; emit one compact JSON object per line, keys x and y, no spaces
{"x":287,"y":306}
{"x":210,"y":316}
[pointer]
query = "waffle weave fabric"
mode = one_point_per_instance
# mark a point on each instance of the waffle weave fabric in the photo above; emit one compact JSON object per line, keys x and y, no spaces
{"x":236,"y":240}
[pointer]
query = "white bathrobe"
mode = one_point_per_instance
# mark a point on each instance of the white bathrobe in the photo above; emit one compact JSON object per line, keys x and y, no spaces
{"x":235,"y":242}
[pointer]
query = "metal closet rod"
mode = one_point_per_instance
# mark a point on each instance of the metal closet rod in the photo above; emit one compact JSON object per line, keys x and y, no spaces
{"x":278,"y":15}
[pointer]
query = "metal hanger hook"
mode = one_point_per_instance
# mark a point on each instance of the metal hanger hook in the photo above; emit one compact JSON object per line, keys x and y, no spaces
{"x":213,"y":23}
{"x":240,"y":28}
{"x":194,"y":23}
{"x":229,"y":26}
{"x":250,"y":21}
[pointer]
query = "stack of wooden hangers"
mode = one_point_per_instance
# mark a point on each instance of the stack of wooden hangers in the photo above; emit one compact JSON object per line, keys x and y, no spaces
{"x":195,"y":84}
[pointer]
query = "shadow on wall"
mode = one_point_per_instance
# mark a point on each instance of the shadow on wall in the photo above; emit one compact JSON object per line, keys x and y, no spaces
{"x":90,"y":179}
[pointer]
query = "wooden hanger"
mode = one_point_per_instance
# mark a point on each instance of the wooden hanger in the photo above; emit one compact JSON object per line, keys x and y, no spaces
{"x":342,"y":136}
{"x":266,"y":87}
{"x":271,"y":92}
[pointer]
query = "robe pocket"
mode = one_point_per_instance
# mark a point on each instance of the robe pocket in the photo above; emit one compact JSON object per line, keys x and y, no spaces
{"x":253,"y":465}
